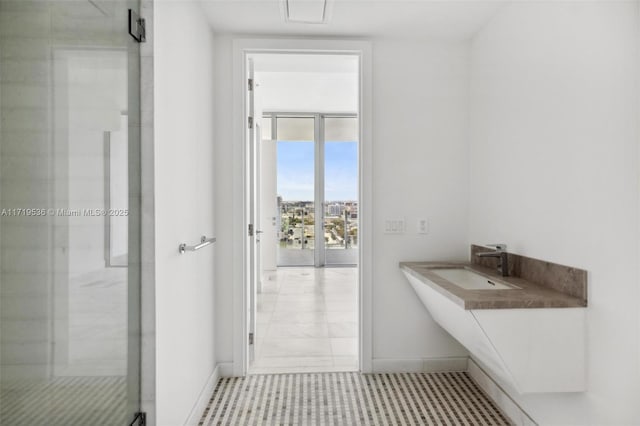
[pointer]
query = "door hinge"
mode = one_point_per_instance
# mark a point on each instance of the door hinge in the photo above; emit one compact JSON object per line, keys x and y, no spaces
{"x":140,"y":419}
{"x":137,"y":27}
{"x":250,"y":120}
{"x":250,"y":83}
{"x":251,"y":338}
{"x":251,"y":229}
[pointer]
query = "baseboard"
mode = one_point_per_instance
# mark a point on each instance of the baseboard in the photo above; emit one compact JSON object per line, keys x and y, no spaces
{"x":203,"y":398}
{"x":419,"y":365}
{"x":508,"y":406}
{"x":226,"y":369}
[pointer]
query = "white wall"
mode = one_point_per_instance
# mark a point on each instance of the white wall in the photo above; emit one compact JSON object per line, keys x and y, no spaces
{"x":184,"y":205}
{"x":227,"y":185}
{"x":554,"y":174}
{"x":420,"y":169}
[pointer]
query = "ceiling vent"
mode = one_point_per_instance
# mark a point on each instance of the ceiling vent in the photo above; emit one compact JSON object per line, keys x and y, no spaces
{"x":306,"y":11}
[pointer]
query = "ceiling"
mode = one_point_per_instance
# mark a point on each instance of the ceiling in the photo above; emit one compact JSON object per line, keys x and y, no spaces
{"x":449,"y":19}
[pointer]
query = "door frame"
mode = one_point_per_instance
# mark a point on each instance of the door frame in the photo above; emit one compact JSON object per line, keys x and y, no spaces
{"x":242,"y":47}
{"x":253,"y":210}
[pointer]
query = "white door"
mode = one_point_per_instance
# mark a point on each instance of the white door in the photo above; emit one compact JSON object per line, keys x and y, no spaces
{"x":268,"y":204}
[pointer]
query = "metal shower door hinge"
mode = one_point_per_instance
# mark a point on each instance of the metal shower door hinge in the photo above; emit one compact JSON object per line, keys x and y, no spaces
{"x":137,"y":28}
{"x":140,"y":419}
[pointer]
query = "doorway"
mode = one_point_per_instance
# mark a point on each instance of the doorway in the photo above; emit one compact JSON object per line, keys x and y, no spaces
{"x":303,"y":307}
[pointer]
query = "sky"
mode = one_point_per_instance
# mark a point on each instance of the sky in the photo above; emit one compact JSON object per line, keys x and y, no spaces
{"x":295,"y":171}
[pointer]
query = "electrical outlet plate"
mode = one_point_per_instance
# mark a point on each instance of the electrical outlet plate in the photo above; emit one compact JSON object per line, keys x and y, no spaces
{"x":423,"y":226}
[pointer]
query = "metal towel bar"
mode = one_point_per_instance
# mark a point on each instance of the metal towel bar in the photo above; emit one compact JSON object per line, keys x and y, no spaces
{"x":204,"y":241}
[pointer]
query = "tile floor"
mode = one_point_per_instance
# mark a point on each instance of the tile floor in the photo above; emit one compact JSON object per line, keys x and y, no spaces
{"x":97,"y":323}
{"x":65,"y":401}
{"x":307,"y":321}
{"x":88,"y":384}
{"x":349,"y":399}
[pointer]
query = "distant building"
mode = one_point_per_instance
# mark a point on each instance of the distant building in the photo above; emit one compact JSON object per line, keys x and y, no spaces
{"x":279,"y":229}
{"x":354,"y":210}
{"x":335,"y":209}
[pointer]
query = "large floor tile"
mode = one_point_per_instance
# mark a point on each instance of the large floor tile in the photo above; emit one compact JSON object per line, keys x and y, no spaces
{"x":298,"y":317}
{"x":293,"y":305}
{"x":266,"y":305}
{"x":264,"y":317}
{"x":343,"y":329}
{"x":341,"y":316}
{"x":307,"y":321}
{"x":299,"y":369}
{"x":295,"y":361}
{"x":305,"y":330}
{"x":344,"y":347}
{"x":341,"y":305}
{"x":300,"y":347}
{"x":345,"y":363}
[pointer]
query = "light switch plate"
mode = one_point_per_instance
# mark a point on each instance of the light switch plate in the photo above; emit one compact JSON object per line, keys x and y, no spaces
{"x":394,"y":226}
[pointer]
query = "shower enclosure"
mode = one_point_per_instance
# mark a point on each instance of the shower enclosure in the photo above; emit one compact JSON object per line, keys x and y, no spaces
{"x":69,"y":213}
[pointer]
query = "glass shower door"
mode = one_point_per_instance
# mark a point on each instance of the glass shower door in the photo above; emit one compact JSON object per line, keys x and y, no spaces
{"x":69,"y":213}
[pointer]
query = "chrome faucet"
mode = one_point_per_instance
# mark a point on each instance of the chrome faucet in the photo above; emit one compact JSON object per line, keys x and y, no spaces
{"x":500,"y":253}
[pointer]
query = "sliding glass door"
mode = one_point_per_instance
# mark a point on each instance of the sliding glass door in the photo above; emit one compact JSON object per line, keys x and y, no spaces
{"x":340,"y":190}
{"x":317,"y":188}
{"x":296,"y":190}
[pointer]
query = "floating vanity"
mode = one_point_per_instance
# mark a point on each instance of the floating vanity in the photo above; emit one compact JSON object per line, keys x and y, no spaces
{"x":527,"y":328}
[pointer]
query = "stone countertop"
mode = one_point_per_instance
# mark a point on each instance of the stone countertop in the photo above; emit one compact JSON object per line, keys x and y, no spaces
{"x":528,"y":295}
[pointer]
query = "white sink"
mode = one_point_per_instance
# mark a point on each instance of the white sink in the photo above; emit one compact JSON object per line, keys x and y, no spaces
{"x":470,"y":280}
{"x":539,"y":350}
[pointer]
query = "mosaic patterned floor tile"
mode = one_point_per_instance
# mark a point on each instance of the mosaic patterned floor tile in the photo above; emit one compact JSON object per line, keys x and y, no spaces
{"x":351,"y":399}
{"x":65,"y":401}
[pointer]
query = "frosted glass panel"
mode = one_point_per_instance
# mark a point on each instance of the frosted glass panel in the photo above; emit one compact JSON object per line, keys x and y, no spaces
{"x":341,"y":129}
{"x":295,"y":129}
{"x":265,"y":128}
